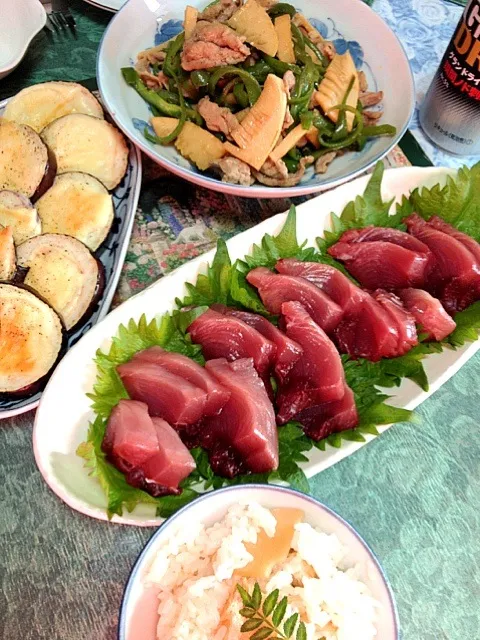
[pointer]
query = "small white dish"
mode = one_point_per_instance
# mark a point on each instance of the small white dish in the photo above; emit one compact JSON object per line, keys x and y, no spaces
{"x":138,"y":614}
{"x":65,"y":410}
{"x":349,"y":24}
{"x":20,"y":21}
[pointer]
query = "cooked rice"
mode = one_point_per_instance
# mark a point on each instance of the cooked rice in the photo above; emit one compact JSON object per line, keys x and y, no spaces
{"x":198,"y":599}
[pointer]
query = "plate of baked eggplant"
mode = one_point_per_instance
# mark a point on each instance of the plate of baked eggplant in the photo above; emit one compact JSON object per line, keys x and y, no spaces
{"x":69,"y":188}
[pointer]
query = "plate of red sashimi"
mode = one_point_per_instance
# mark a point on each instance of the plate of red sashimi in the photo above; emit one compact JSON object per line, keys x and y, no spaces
{"x":275,"y":356}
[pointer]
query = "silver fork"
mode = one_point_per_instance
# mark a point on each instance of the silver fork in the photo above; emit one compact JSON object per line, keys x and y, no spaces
{"x":61,"y":18}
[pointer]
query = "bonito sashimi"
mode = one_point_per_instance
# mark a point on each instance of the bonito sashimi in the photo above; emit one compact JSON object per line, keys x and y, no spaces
{"x":147,"y":450}
{"x":455,"y":278}
{"x":288,"y":351}
{"x":385,"y":234}
{"x":318,"y":375}
{"x":167,"y":395}
{"x":368,"y":333}
{"x":382,"y":265}
{"x":276,"y":289}
{"x":428,"y":313}
{"x":403,"y":319}
{"x":224,"y":336}
{"x":322,"y":420}
{"x":330,"y":280}
{"x":186,"y":368}
{"x":244,"y":435}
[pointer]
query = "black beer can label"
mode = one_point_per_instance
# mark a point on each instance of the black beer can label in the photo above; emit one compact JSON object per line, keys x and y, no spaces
{"x":450,"y":114}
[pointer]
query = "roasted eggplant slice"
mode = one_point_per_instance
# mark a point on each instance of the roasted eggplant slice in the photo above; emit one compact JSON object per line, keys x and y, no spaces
{"x":63,"y":272}
{"x":17,"y":212}
{"x":7,"y":254}
{"x":31,"y":338}
{"x":77,"y":205}
{"x":90,"y":145}
{"x":41,"y":104}
{"x":23,"y":158}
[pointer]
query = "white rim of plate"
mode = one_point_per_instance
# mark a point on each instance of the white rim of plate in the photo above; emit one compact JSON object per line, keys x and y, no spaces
{"x":42,"y":14}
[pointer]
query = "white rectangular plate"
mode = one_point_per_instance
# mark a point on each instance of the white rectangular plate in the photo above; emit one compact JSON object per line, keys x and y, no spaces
{"x":64,"y":413}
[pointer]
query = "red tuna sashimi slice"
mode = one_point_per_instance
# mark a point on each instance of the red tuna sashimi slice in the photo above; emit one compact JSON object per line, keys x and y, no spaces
{"x":318,"y":375}
{"x":288,"y":351}
{"x":382,"y":264}
{"x":320,"y":421}
{"x":173,"y":462}
{"x":456,"y":277}
{"x":330,"y":280}
{"x":276,"y":289}
{"x":368,"y":333}
{"x":405,"y":321}
{"x":247,"y":422}
{"x":385,"y":234}
{"x":452,"y":258}
{"x":147,"y":450}
{"x":130,"y":434}
{"x":472,"y":245}
{"x":167,"y":396}
{"x":227,"y":337}
{"x":186,"y":368}
{"x":428,"y":312}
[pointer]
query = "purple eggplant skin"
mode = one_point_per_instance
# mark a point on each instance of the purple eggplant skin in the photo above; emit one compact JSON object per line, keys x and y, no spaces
{"x":48,"y":176}
{"x":38,"y":385}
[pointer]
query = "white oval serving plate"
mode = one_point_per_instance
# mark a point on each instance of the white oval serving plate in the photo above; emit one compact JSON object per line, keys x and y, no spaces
{"x":138,"y":614}
{"x":111,"y":254}
{"x":20,"y":21}
{"x":64,"y":413}
{"x":350,"y":24}
{"x":108,"y":5}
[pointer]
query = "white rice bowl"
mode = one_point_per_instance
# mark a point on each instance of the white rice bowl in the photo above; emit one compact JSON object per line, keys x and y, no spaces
{"x":184,"y":588}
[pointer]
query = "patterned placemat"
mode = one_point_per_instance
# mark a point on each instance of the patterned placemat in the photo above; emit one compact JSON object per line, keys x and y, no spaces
{"x":177,"y":221}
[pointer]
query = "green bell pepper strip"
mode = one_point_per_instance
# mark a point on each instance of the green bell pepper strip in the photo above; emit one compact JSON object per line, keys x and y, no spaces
{"x":280,"y":68}
{"x":304,"y":89}
{"x":260,"y":70}
{"x":281,"y":9}
{"x":351,"y":138}
{"x":132,"y":78}
{"x":200,"y":78}
{"x":171,"y":64}
{"x":241,"y":95}
{"x":322,"y":57}
{"x":307,"y":120}
{"x":291,"y":164}
{"x":341,"y":129}
{"x":169,"y":96}
{"x":181,"y":122}
{"x":252,"y":86}
{"x":379,"y":130}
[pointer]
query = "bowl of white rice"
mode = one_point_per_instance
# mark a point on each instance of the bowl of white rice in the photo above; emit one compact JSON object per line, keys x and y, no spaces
{"x":208,"y":571}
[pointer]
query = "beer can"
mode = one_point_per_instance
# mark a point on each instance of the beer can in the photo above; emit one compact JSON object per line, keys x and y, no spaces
{"x":450,"y":113}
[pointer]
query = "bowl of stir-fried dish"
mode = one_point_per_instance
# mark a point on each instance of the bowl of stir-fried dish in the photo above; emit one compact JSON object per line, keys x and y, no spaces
{"x":257,"y":97}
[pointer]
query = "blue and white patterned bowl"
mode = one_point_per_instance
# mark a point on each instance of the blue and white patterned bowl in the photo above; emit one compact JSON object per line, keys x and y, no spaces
{"x":111,"y":254}
{"x":351,"y":25}
{"x":138,"y":613}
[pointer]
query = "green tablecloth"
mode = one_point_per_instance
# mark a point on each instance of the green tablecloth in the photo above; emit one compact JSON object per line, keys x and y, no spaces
{"x":414,"y":493}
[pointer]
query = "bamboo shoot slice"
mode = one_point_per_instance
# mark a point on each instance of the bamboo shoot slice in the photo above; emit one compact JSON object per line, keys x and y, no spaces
{"x":260,"y":130}
{"x":254,"y":23}
{"x":334,"y":86}
{"x":190,"y":21}
{"x":290,"y":141}
{"x":283,"y":27}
